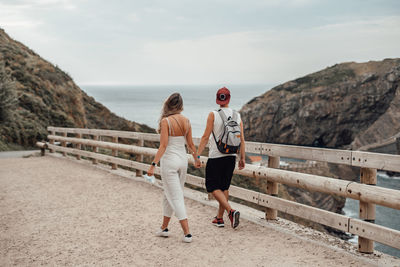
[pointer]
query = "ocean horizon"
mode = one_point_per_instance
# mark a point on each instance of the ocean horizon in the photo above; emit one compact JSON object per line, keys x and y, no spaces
{"x":143,"y":103}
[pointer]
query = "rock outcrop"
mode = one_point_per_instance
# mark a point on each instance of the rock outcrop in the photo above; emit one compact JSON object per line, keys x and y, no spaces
{"x":35,"y":94}
{"x":344,"y":106}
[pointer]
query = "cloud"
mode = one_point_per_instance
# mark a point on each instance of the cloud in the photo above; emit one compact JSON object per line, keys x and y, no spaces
{"x":24,"y":4}
{"x":23,"y":15}
{"x":133,"y":17}
{"x":210,"y":41}
{"x":288,"y":3}
{"x":12,"y":17}
{"x":271,"y":56}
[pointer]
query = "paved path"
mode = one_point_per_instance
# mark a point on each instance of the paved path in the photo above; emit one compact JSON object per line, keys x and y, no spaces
{"x":57,"y":211}
{"x":18,"y":154}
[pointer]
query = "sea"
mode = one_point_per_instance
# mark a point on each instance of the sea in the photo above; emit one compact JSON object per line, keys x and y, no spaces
{"x":143,"y":104}
{"x":384,"y":216}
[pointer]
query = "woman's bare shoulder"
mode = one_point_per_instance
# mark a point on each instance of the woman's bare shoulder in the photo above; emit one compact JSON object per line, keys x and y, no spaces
{"x":164,"y":121}
{"x":182,"y":117}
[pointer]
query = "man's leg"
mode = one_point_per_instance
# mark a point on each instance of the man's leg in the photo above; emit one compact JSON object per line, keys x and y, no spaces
{"x":226,"y":193}
{"x":227,"y":166}
{"x":221,"y":209}
{"x":220,"y":196}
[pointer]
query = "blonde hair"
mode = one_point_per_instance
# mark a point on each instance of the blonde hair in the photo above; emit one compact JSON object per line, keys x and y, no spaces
{"x":172,"y":105}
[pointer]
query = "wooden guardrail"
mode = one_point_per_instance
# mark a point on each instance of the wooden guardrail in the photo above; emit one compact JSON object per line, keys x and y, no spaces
{"x":366,"y":192}
{"x":391,"y":141}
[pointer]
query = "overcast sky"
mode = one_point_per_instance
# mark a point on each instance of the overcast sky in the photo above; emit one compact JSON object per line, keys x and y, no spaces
{"x":202,"y":41}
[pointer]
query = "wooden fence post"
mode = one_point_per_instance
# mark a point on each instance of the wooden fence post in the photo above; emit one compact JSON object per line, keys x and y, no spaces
{"x":52,"y":141}
{"x":78,"y":146}
{"x":272,"y":188}
{"x":43,"y":151}
{"x":367,"y":210}
{"x":64,"y":144}
{"x":95,"y":148}
{"x":139,"y":173}
{"x":114,"y":153}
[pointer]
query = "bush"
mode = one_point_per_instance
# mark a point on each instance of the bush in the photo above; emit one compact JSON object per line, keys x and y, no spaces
{"x":8,"y":97}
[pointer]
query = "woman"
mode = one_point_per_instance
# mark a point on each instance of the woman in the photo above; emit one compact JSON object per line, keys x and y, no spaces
{"x":174,"y":128}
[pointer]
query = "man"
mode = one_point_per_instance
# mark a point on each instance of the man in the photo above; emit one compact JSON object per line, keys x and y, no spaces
{"x":220,"y":166}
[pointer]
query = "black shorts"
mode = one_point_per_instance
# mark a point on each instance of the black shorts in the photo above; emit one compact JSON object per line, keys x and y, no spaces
{"x":219,"y":173}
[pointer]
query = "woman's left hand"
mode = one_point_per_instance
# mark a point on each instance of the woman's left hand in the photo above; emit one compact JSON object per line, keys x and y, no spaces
{"x":197,"y":163}
{"x":150,"y":171}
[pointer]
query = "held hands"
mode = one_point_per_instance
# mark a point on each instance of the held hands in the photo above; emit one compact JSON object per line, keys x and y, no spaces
{"x":241,"y":164}
{"x":196,"y":157}
{"x":197,"y":163}
{"x":150,"y":171}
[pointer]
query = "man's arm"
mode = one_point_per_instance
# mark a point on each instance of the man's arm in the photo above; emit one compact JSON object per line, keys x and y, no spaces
{"x":242,"y":148}
{"x":206,"y":134}
{"x":191,"y":146}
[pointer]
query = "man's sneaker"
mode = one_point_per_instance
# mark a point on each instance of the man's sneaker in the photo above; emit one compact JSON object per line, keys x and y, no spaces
{"x":219,"y":222}
{"x":162,"y":233}
{"x":187,"y":238}
{"x":234,"y":216}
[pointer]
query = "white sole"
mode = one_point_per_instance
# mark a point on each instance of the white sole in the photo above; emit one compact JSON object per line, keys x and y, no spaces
{"x":236,"y":217}
{"x":187,"y":239}
{"x":162,"y":234}
{"x":218,"y":225}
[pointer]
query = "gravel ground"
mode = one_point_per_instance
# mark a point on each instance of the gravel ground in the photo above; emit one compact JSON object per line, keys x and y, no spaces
{"x":57,"y":211}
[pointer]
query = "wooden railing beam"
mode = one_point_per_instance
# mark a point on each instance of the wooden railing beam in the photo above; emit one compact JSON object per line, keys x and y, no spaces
{"x":378,"y":195}
{"x":108,"y":133}
{"x":346,"y":157}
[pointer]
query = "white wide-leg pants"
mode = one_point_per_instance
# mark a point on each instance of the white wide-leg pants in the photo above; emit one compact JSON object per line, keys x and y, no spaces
{"x":173,"y":174}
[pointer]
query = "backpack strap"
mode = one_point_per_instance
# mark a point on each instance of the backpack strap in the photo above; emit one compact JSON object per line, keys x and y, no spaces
{"x":216,"y":142}
{"x":235,"y":115}
{"x":224,"y":119}
{"x":222,"y":115}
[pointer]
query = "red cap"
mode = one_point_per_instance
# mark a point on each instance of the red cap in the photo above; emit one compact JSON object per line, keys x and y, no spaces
{"x":223,"y":96}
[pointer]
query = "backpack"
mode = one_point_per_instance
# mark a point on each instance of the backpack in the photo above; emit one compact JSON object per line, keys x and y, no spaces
{"x":229,"y":142}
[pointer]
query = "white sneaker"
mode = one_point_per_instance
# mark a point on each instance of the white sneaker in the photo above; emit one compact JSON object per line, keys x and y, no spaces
{"x":187,"y":238}
{"x":162,"y":233}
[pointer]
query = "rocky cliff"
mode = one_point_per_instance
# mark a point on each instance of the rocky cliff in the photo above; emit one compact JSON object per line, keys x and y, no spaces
{"x":346,"y":105}
{"x":35,"y":94}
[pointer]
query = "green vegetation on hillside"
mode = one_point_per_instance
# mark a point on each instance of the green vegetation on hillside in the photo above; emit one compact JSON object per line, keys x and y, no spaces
{"x":36,"y":94}
{"x":327,"y":77}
